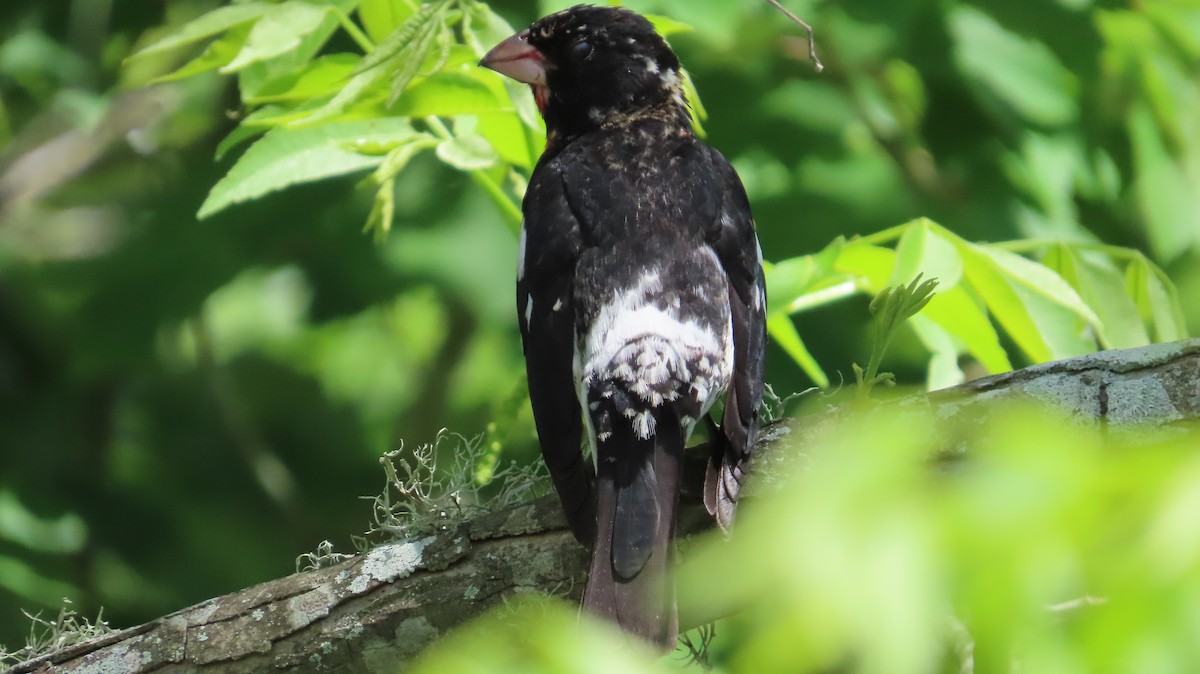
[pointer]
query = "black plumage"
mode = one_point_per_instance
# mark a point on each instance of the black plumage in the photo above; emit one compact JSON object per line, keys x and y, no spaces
{"x":640,"y":299}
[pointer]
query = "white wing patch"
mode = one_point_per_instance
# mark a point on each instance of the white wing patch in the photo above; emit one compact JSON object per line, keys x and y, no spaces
{"x":654,"y":352}
{"x":756,"y":298}
{"x":521,"y":253}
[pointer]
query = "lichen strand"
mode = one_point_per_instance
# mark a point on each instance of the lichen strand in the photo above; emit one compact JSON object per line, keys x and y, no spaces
{"x":387,"y":563}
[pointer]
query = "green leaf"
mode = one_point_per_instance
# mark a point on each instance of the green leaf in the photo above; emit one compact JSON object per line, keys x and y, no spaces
{"x":1102,"y":287}
{"x":262,"y":74}
{"x":250,"y":127}
{"x":890,"y":309}
{"x":484,"y":28}
{"x":414,"y":57}
{"x":406,"y":48}
{"x":905,"y":89}
{"x":1040,"y":280}
{"x":1020,"y":73}
{"x":508,"y":136}
{"x":28,"y":583}
{"x":1166,"y":194}
{"x":924,"y":250}
{"x":943,"y":368}
{"x":896,"y":304}
{"x":1045,"y":171}
{"x":1180,"y":22}
{"x":323,"y":76}
{"x":383,"y":210}
{"x":279,"y":31}
{"x":537,"y":635}
{"x":381,"y":17}
{"x":353,"y":91}
{"x":952,"y":307}
{"x":666,"y":26}
{"x":447,"y":94}
{"x":404,"y":36}
{"x":467,"y":152}
{"x":872,"y":265}
{"x":695,"y":107}
{"x":208,"y":25}
{"x":960,"y":315}
{"x":488,"y":28}
{"x":1157,"y":300}
{"x":809,"y":105}
{"x":790,"y":280}
{"x":287,"y":156}
{"x":929,"y":249}
{"x":216,"y":55}
{"x":783,"y":331}
{"x":1042,"y":314}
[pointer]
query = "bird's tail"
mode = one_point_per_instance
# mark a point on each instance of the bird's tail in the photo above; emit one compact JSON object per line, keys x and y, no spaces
{"x":629,"y":581}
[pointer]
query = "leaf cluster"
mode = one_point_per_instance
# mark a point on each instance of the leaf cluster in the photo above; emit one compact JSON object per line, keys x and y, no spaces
{"x":321,"y":114}
{"x":1049,"y":546}
{"x":1056,"y":300}
{"x":312,"y":114}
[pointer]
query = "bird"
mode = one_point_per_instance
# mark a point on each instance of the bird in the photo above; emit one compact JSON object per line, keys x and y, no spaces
{"x":640,"y":300}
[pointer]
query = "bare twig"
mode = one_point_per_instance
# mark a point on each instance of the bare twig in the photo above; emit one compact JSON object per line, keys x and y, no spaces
{"x":812,"y":41}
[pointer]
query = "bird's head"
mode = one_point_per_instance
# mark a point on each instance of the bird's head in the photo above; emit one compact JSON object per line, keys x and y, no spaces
{"x":593,"y":66}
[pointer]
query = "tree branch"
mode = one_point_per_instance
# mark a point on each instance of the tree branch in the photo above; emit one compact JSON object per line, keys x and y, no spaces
{"x":382,"y":608}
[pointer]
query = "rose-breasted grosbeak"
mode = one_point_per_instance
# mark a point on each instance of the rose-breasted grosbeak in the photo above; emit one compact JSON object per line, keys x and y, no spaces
{"x":640,"y":298}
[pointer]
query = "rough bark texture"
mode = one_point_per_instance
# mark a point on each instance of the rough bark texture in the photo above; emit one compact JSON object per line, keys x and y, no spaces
{"x":375,"y":611}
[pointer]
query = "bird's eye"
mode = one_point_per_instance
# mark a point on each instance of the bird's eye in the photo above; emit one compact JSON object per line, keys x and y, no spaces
{"x":580,"y":51}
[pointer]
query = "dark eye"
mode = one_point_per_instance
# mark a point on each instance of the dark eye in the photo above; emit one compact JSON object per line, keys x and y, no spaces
{"x":580,"y":51}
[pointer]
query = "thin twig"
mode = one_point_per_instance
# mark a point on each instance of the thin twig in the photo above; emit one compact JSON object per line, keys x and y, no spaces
{"x":812,"y":42}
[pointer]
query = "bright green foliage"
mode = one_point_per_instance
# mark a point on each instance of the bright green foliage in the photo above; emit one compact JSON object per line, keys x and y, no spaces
{"x":287,"y":158}
{"x":424,"y":70}
{"x":890,"y":309}
{"x":871,"y":558}
{"x":536,"y":635}
{"x":187,"y":405}
{"x":310,"y":107}
{"x":1045,"y":546}
{"x":1050,"y":309}
{"x":313,"y":108}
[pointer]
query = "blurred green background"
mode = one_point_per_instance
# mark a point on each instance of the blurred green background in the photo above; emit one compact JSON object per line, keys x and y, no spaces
{"x":186,"y":405}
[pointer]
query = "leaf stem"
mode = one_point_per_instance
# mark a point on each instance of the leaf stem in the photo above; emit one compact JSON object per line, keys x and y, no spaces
{"x":439,"y":127}
{"x":884,"y":236}
{"x":354,"y":31}
{"x":510,"y":211}
{"x":822,"y":297}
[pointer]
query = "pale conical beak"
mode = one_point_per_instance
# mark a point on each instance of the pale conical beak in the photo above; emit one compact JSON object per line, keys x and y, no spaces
{"x":518,"y":59}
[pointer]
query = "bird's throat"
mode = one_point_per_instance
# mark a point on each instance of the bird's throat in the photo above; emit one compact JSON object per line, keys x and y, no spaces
{"x":541,"y":96}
